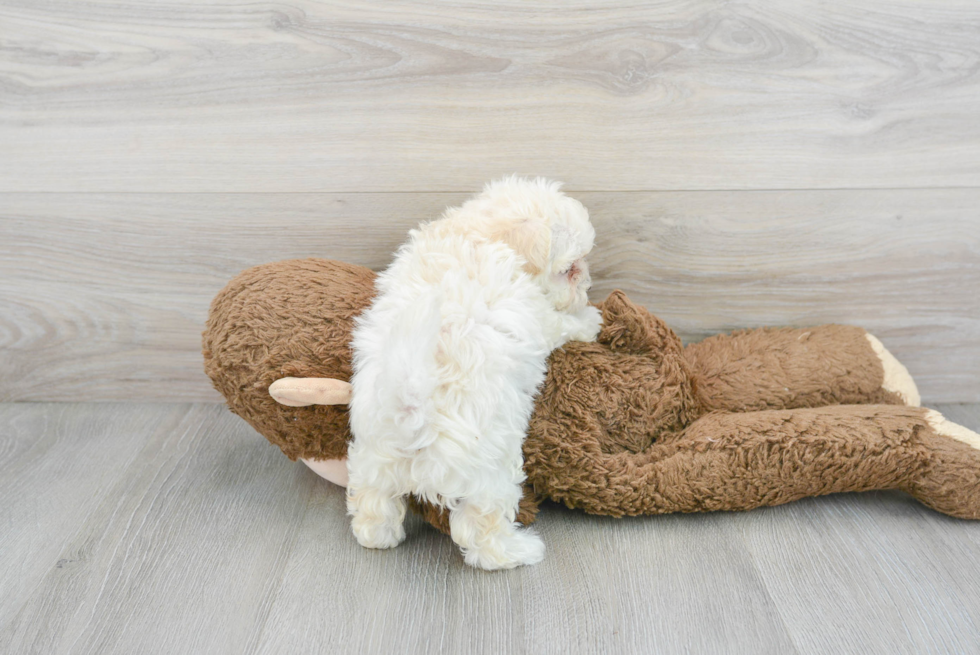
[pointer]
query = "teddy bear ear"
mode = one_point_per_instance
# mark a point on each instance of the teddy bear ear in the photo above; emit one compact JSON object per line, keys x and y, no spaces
{"x":631,"y":328}
{"x":302,"y":392}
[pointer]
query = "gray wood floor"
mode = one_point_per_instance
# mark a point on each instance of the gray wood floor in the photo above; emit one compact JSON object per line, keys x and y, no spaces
{"x":175,"y":528}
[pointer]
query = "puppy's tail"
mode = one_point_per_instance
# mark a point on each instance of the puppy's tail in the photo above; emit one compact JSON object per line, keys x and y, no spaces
{"x":412,"y":367}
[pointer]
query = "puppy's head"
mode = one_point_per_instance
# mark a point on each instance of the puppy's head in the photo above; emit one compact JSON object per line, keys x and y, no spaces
{"x":548,"y":229}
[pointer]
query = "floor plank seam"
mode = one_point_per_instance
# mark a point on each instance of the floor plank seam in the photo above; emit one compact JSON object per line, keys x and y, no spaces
{"x":254,"y":646}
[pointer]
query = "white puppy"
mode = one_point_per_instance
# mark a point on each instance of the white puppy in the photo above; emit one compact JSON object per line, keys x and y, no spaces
{"x":449,"y":356}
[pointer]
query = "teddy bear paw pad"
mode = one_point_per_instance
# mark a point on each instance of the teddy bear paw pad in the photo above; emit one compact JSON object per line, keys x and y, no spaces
{"x":897,"y":377}
{"x":947,"y":428}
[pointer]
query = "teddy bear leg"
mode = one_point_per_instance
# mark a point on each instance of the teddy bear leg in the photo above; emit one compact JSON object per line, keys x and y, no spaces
{"x":745,"y":460}
{"x":485,"y":531}
{"x":790,"y":368}
{"x":950,"y":478}
{"x":739,"y":461}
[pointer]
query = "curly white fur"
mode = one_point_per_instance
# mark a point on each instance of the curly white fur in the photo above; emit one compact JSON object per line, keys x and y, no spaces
{"x":449,"y":356}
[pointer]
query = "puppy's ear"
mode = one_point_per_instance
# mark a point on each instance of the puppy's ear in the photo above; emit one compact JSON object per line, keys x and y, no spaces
{"x":531,"y":239}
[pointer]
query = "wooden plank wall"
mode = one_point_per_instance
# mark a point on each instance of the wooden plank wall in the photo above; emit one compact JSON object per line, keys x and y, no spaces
{"x":745,"y":163}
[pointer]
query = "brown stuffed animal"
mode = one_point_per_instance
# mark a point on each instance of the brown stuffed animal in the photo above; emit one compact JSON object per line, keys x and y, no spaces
{"x":634,"y":423}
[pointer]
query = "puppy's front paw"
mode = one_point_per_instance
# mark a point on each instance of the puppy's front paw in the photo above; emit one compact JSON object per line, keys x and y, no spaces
{"x":585,"y":324}
{"x":519,"y":548}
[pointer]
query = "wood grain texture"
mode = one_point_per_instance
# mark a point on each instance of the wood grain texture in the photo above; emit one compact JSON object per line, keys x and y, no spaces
{"x":58,"y":463}
{"x":606,"y":586}
{"x":187,"y":532}
{"x":103,"y":296}
{"x":179,"y":556}
{"x":301,"y":95}
{"x":905,"y":557}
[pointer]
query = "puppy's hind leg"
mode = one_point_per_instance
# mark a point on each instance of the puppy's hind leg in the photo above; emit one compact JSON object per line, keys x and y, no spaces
{"x":377,"y":515}
{"x":486,"y":532}
{"x":377,"y":518}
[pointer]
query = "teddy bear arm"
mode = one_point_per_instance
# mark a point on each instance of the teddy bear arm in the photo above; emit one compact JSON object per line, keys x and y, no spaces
{"x":785,"y":368}
{"x":628,"y":327}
